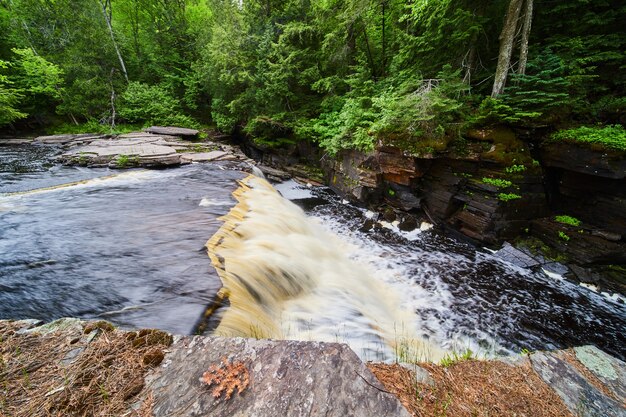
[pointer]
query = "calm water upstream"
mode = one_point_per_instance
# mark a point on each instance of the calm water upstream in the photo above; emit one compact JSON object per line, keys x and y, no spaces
{"x":128,"y":246}
{"x":125,"y":246}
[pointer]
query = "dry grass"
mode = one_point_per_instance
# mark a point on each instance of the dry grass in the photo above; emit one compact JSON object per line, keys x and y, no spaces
{"x":40,"y":376}
{"x":473,"y":388}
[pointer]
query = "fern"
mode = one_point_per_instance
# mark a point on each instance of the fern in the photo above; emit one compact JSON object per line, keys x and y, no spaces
{"x":227,"y":377}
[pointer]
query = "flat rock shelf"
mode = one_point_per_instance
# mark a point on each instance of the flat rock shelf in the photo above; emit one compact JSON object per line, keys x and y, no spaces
{"x":156,"y":147}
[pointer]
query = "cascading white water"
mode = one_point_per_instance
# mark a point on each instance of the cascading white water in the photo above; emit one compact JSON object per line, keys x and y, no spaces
{"x":289,"y":278}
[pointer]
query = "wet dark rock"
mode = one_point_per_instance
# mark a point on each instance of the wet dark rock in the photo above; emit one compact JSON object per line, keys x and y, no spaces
{"x":407,"y":200}
{"x":409,"y":223}
{"x":555,"y":268}
{"x":389,"y":215}
{"x":585,"y":274}
{"x":596,"y":200}
{"x":585,"y":160}
{"x":584,"y":248}
{"x":610,"y":236}
{"x":368,"y":225}
{"x":354,"y":175}
{"x":274,"y":173}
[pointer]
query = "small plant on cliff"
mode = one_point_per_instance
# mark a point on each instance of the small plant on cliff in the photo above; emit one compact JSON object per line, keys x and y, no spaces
{"x":497,"y":182}
{"x":609,"y":137}
{"x":564,"y":236}
{"x":569,"y":220}
{"x":126,"y":161}
{"x":508,"y":196}
{"x":515,"y":169}
{"x":455,"y":357}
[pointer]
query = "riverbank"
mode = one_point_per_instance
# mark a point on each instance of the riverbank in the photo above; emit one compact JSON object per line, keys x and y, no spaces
{"x":71,"y":367}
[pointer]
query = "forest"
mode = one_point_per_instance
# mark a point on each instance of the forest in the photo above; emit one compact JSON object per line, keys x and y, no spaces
{"x":344,"y":74}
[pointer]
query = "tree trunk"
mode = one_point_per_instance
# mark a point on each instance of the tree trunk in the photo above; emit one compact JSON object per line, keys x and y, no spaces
{"x":507,"y":38}
{"x":113,"y":112}
{"x":384,"y":44}
{"x":369,"y":52}
{"x":523,"y":53}
{"x":107,"y":18}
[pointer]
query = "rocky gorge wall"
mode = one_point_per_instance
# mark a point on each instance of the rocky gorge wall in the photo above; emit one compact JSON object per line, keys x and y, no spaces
{"x":492,"y":186}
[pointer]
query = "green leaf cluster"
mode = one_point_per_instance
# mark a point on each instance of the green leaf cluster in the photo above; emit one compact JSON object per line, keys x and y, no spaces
{"x":605,"y":137}
{"x":497,"y":182}
{"x":508,"y":196}
{"x":569,"y":220}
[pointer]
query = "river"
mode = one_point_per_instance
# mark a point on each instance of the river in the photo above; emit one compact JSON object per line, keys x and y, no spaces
{"x":129,"y":247}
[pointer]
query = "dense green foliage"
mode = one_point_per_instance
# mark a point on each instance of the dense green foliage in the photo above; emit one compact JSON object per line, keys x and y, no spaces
{"x":346,"y":74}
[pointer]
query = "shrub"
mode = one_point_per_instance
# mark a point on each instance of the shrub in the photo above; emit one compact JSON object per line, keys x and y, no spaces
{"x":152,"y":104}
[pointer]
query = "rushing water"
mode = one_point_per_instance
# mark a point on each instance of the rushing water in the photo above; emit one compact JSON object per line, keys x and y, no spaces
{"x":128,"y":247}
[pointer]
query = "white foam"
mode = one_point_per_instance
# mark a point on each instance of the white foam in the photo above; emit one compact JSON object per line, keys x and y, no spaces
{"x":207,"y":202}
{"x":591,"y":287}
{"x":553,"y":275}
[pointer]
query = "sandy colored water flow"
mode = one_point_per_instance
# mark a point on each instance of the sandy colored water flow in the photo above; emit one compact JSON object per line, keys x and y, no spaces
{"x":289,"y":278}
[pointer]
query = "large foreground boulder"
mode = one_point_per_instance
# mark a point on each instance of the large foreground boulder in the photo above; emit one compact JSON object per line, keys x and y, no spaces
{"x":276,"y":378}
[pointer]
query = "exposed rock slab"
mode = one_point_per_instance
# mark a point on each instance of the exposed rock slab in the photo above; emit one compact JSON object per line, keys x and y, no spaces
{"x":609,"y":370}
{"x":273,"y":173}
{"x":580,"y":393}
{"x":139,"y":149}
{"x":68,"y":139}
{"x":515,"y":256}
{"x":286,"y":378}
{"x":205,"y":156}
{"x":123,"y":153}
{"x":173,"y":131}
{"x":602,"y":163}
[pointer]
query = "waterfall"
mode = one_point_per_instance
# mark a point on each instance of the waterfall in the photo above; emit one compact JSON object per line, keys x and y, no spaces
{"x":288,"y":278}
